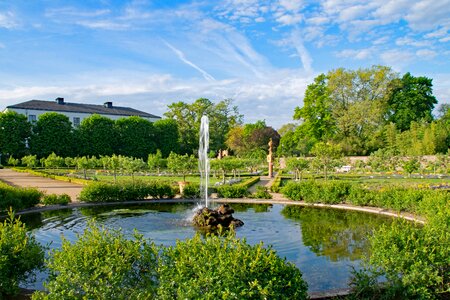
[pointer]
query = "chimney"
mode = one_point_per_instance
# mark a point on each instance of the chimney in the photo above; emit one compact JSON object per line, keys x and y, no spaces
{"x":60,"y":100}
{"x":108,"y":104}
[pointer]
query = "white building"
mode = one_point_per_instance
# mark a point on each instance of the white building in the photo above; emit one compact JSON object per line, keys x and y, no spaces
{"x":76,"y":112}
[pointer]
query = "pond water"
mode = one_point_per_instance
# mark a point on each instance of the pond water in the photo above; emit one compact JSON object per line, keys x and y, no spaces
{"x":323,"y":243}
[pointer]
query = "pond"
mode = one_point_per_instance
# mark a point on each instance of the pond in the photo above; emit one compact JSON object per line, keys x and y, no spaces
{"x":323,"y":243}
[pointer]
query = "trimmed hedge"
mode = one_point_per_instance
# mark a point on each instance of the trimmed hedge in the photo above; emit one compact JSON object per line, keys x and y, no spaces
{"x":127,"y":191}
{"x":237,"y":190}
{"x":276,"y":185}
{"x":334,"y":192}
{"x":56,"y":199}
{"x":18,"y":198}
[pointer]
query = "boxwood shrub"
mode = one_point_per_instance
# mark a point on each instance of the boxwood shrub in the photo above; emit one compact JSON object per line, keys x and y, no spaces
{"x":18,"y":198}
{"x":127,"y":191}
{"x":53,"y":199}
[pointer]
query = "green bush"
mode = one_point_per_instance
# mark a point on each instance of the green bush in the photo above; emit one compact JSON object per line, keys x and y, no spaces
{"x":56,"y":199}
{"x":20,"y":254}
{"x":276,"y":185}
{"x":191,"y":191}
{"x":226,"y":268}
{"x":232,"y":191}
{"x":102,"y":264}
{"x":18,"y":198}
{"x":128,"y":191}
{"x":317,"y":192}
{"x":261,"y":193}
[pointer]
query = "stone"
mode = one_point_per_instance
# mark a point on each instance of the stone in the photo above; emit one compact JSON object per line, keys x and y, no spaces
{"x":212,"y":219}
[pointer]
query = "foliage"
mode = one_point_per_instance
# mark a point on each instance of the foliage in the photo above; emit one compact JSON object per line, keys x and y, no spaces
{"x":232,"y":191}
{"x":299,"y":165}
{"x":20,"y":254}
{"x":411,"y":165}
{"x":30,"y":161}
{"x":102,"y":264}
{"x":261,"y":193}
{"x":181,"y":164}
{"x":156,"y":162}
{"x":326,"y":156}
{"x":276,"y":185}
{"x":13,"y":161}
{"x":136,"y":135}
{"x":332,"y":192}
{"x":126,"y":191}
{"x":53,"y":161}
{"x":166,"y":131}
{"x":53,"y":199}
{"x":191,"y":191}
{"x":226,"y":268}
{"x":222,"y":117}
{"x":14,"y":130}
{"x":18,"y":198}
{"x":98,"y":136}
{"x":52,"y":133}
{"x":412,"y":100}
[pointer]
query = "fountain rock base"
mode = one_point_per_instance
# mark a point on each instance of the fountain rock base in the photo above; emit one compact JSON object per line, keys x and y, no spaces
{"x":220,"y":218}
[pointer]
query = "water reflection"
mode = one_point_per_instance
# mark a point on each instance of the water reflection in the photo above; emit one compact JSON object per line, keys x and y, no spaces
{"x":335,"y":234}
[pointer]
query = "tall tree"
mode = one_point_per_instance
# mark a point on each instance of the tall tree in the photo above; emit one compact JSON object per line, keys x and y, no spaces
{"x":167,"y":137}
{"x":98,"y":136}
{"x":14,"y":130}
{"x":136,"y":137}
{"x":52,"y":134}
{"x":412,"y":100}
{"x":222,"y":117}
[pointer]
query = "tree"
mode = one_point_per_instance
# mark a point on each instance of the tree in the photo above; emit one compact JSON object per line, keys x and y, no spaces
{"x":167,"y":137}
{"x":53,"y":161}
{"x":411,"y":165}
{"x":155,"y":161}
{"x":30,"y":161}
{"x":298,"y":165}
{"x":326,"y":155}
{"x":133,"y":165}
{"x":412,"y":100}
{"x":14,"y":131}
{"x":98,"y":136}
{"x":52,"y":133}
{"x":222,"y":117}
{"x":181,"y":164}
{"x":136,"y":137}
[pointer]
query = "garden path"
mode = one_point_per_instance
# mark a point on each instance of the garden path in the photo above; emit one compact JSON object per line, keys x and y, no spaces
{"x":46,"y":185}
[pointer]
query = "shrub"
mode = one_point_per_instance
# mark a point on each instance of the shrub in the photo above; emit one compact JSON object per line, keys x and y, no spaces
{"x":56,"y":199}
{"x":261,"y":193}
{"x":20,"y":254}
{"x":18,"y":198}
{"x":128,"y":191}
{"x":102,"y":264}
{"x":226,"y":268}
{"x":232,"y":191}
{"x":191,"y":191}
{"x":317,"y":192}
{"x":276,"y":185}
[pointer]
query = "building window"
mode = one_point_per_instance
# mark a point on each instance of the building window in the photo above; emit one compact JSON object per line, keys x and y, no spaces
{"x":32,"y":118}
{"x":76,"y":121}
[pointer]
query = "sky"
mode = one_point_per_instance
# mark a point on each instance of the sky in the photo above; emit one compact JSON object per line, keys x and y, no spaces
{"x":262,"y":54}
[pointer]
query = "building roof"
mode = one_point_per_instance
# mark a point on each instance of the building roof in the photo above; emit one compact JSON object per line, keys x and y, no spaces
{"x":60,"y":105}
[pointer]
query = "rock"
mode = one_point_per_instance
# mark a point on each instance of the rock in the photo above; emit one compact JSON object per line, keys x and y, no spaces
{"x":213,"y":219}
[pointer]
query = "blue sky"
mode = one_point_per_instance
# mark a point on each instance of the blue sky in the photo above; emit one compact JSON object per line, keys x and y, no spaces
{"x":262,"y":54}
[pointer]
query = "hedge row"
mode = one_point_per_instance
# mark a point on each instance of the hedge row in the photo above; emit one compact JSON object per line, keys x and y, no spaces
{"x":276,"y":185}
{"x":237,"y":190}
{"x":18,"y":198}
{"x":126,"y":191}
{"x":335,"y":192}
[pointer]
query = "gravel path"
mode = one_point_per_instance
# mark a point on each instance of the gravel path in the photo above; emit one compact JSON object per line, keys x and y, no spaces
{"x":46,"y":185}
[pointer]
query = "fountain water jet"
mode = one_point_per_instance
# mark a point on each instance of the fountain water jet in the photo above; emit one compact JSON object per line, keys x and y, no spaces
{"x":203,"y":161}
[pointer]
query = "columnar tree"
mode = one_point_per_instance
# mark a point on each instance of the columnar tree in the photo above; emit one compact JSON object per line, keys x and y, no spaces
{"x":136,"y":137}
{"x":97,"y":136}
{"x":166,"y":131}
{"x":52,"y":134}
{"x":14,"y":130}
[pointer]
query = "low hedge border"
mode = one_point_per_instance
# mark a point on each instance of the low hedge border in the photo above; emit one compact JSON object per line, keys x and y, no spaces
{"x":239,"y":190}
{"x":276,"y":184}
{"x":57,"y":177}
{"x":18,"y":198}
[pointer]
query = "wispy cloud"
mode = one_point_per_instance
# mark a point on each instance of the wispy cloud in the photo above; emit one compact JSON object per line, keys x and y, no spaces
{"x":303,"y":53}
{"x":8,"y":20}
{"x":183,"y":58}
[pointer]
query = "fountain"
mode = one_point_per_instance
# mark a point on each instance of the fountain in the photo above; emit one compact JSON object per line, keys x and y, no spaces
{"x":210,"y":219}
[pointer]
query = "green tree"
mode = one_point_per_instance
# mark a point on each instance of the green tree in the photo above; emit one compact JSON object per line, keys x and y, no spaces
{"x":14,"y":130}
{"x":155,"y":161}
{"x":326,"y":155}
{"x":133,"y":165}
{"x":53,"y":161}
{"x":298,"y":165}
{"x":412,"y":100}
{"x":222,"y":117}
{"x":52,"y":133}
{"x":30,"y":161}
{"x":20,"y":254}
{"x":136,"y":137}
{"x":181,"y":164}
{"x":13,"y":161}
{"x":411,"y":165}
{"x":167,"y":136}
{"x":84,"y":163}
{"x":98,"y":136}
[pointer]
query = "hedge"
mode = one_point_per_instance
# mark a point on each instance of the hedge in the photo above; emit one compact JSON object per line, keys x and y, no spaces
{"x":237,"y":190}
{"x":18,"y":198}
{"x":126,"y":191}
